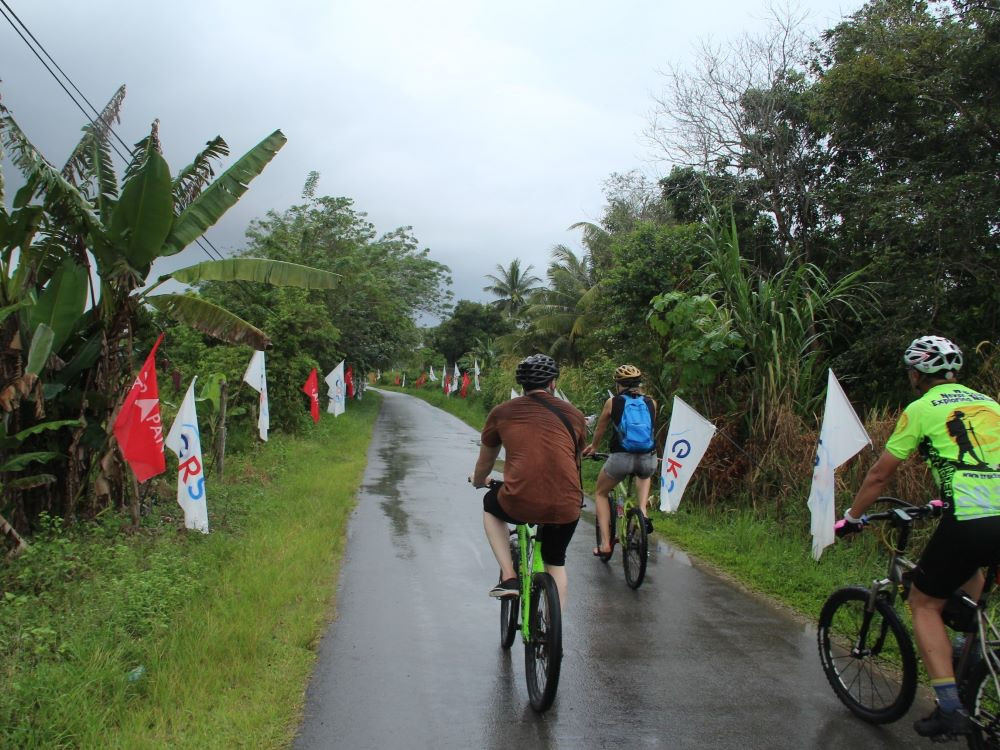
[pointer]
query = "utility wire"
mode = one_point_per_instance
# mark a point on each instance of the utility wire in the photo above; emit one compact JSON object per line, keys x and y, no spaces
{"x":7,"y":9}
{"x":200,"y":241}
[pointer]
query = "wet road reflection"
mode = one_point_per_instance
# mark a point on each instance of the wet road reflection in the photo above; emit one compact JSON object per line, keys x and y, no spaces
{"x":413,"y":659}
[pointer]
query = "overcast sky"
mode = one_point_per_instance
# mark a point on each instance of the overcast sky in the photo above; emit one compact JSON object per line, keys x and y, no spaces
{"x":489,"y":127}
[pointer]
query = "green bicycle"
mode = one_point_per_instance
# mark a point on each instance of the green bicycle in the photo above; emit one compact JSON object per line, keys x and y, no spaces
{"x":630,"y":530}
{"x":537,"y":607}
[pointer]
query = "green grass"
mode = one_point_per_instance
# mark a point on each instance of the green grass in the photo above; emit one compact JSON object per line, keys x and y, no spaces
{"x":218,"y":632}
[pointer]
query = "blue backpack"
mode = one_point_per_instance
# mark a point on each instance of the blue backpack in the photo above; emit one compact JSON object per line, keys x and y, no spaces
{"x":635,"y":429}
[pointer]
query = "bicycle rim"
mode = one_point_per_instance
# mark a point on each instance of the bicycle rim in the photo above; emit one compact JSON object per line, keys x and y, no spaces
{"x":634,"y":549}
{"x":543,"y":649}
{"x":981,"y":696}
{"x":875,"y":676}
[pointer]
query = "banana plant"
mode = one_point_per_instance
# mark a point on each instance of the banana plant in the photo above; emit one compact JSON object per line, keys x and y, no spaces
{"x":76,"y":253}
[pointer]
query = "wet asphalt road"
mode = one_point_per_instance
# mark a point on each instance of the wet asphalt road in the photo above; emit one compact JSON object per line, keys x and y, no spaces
{"x":413,"y":658}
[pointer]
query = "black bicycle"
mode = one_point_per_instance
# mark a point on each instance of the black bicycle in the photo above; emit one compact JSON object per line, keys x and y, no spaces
{"x":868,"y":655}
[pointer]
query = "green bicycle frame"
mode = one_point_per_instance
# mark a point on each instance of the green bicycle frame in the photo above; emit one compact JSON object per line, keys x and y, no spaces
{"x":530,"y":563}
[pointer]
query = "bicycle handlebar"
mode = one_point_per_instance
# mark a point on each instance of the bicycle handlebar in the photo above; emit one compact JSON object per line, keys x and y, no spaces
{"x":904,"y":513}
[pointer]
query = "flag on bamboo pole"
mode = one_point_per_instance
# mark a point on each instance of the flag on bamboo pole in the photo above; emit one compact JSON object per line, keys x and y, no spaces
{"x":688,"y":436}
{"x":447,"y":385}
{"x":475,"y":372}
{"x":456,"y":376}
{"x":256,"y":377}
{"x":138,"y":427}
{"x":335,"y":382}
{"x":840,"y":437}
{"x":433,"y":377}
{"x":514,"y":393}
{"x":419,"y":382}
{"x":466,"y":382}
{"x":184,"y":439}
{"x":349,"y":381}
{"x":311,"y":389}
{"x":378,"y":375}
{"x":404,"y":380}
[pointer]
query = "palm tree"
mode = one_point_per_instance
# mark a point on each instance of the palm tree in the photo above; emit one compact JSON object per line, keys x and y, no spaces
{"x":561,"y":315}
{"x":512,"y":287}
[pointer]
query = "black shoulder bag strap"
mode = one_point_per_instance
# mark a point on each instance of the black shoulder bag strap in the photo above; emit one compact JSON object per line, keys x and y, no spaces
{"x":572,"y":436}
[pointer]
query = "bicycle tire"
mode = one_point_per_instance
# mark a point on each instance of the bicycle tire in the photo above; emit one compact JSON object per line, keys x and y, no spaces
{"x":543,"y":649}
{"x":980,"y":697}
{"x":879,"y":685}
{"x":510,"y":606}
{"x":635,"y":548}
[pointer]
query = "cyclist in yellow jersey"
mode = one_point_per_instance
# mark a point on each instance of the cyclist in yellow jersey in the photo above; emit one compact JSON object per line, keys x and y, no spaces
{"x":956,"y":430}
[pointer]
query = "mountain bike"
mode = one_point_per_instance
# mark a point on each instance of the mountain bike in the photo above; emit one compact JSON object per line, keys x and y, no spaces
{"x":629,"y":527}
{"x":537,"y":606}
{"x":868,"y":655}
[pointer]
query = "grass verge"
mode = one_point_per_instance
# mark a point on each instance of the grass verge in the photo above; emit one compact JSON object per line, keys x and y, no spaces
{"x":167,"y":638}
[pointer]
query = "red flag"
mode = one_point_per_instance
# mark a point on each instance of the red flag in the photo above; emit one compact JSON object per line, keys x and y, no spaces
{"x":421,"y":380}
{"x":397,"y":380}
{"x":447,"y":383}
{"x":137,"y":427}
{"x":466,"y":380}
{"x":349,"y":380}
{"x":311,"y":389}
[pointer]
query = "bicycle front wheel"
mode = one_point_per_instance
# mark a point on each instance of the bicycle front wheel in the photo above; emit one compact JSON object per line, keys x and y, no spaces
{"x":510,"y":606}
{"x":981,"y":698}
{"x":868,"y":658}
{"x":635,"y":548}
{"x":543,"y":649}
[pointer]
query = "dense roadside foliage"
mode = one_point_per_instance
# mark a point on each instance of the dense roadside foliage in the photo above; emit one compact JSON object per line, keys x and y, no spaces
{"x":162,"y":638}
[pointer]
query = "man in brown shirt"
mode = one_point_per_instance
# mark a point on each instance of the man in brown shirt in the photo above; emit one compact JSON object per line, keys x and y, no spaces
{"x":543,"y":436}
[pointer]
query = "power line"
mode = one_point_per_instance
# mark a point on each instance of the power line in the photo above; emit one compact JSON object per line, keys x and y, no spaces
{"x":125,"y":159}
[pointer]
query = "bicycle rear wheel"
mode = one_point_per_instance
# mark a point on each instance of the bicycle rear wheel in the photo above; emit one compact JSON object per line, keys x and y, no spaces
{"x":982,"y":699}
{"x":867,"y":658}
{"x":543,"y":649}
{"x":635,"y":548}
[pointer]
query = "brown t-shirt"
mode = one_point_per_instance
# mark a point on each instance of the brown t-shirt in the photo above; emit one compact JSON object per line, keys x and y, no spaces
{"x":541,"y":483}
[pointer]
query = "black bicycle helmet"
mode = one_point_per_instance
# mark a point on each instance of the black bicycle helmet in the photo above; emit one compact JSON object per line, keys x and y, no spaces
{"x":536,"y":371}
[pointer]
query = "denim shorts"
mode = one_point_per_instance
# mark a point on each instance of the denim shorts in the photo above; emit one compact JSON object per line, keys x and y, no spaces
{"x":620,"y":465}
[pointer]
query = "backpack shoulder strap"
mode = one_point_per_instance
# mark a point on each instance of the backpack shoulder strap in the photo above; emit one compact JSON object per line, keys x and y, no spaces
{"x":562,"y":417}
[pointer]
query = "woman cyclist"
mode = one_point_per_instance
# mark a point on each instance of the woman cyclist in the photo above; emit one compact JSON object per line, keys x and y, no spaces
{"x":640,"y":461}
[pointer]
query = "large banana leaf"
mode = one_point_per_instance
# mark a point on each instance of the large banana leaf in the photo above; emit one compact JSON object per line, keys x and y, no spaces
{"x":190,"y":181}
{"x":210,"y":319}
{"x":277,"y":272}
{"x":222,"y":194}
{"x":91,"y":159}
{"x":40,"y":175}
{"x":18,"y":462}
{"x":61,"y":303}
{"x":144,"y":214}
{"x":40,"y":349}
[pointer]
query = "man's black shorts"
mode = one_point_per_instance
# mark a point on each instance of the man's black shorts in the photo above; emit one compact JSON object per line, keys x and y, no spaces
{"x":956,"y":551}
{"x":553,"y":536}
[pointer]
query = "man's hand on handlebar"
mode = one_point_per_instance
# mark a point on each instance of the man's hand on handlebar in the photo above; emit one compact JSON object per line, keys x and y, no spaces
{"x":488,"y":482}
{"x":849,"y":525}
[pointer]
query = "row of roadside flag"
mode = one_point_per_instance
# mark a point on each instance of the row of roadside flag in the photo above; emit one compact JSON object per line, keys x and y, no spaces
{"x":138,"y":427}
{"x":454,"y":382}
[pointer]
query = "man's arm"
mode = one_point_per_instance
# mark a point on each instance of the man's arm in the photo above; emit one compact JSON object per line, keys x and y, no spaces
{"x":484,"y":464}
{"x":876,"y":479}
{"x":602,"y":425}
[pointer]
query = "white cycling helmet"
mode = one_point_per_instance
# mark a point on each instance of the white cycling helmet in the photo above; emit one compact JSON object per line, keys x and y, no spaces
{"x":932,"y":354}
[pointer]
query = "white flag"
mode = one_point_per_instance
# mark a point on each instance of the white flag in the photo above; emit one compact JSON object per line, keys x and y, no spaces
{"x":335,"y":382}
{"x":475,"y":375}
{"x":184,"y":439}
{"x":433,"y":377}
{"x":378,"y":374}
{"x":257,"y":379}
{"x":560,"y":394}
{"x":456,"y":376}
{"x":513,"y":393}
{"x":404,"y":380}
{"x":841,"y":436}
{"x":688,"y":436}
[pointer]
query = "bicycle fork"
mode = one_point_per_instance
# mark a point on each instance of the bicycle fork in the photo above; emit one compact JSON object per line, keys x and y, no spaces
{"x":860,"y":649}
